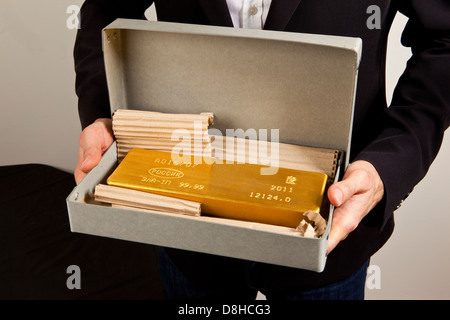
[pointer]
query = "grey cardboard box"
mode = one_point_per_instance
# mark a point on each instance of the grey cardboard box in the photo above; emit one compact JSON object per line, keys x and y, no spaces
{"x":302,"y":84}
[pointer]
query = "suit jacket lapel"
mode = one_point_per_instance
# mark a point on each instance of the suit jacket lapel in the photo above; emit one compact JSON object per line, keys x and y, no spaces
{"x":217,"y":12}
{"x":280,"y":13}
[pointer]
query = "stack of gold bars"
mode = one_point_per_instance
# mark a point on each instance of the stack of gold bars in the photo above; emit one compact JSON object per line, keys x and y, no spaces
{"x":151,"y":176}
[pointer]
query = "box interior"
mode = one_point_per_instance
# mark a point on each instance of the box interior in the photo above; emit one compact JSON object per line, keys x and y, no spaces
{"x":303,"y":85}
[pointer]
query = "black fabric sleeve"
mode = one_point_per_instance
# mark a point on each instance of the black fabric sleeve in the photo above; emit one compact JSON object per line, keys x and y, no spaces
{"x":90,"y":84}
{"x":414,"y":124}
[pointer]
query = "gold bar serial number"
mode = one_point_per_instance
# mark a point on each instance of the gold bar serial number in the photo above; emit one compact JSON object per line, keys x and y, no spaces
{"x":258,"y":195}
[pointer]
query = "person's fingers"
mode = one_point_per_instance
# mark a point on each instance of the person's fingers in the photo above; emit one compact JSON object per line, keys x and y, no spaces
{"x":78,"y":173}
{"x":94,"y":141}
{"x":337,"y":234}
{"x":354,"y":181}
{"x":345,"y":219}
{"x":89,"y":155}
{"x":358,"y":192}
{"x":92,"y":157}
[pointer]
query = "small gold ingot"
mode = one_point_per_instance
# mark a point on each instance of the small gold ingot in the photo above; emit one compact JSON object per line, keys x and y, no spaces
{"x":233,"y":191}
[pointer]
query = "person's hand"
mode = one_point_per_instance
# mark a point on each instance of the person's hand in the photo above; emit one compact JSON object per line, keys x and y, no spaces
{"x":359,"y":191}
{"x":94,"y":141}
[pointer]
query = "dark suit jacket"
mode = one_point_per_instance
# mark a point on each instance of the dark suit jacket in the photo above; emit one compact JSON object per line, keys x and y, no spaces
{"x":400,"y":141}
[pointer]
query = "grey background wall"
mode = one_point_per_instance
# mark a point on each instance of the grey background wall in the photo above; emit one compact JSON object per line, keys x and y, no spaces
{"x":39,"y":124}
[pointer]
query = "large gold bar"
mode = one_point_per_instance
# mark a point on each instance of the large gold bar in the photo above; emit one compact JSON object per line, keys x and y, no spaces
{"x":234,"y":191}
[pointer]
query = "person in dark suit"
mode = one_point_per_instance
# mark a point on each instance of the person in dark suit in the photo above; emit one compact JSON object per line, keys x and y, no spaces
{"x":392,"y":148}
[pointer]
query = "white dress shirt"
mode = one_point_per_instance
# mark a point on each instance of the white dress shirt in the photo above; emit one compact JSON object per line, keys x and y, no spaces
{"x":249,"y":14}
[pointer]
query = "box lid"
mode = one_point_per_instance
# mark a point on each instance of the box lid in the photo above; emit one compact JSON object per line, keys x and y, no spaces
{"x":302,"y":84}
